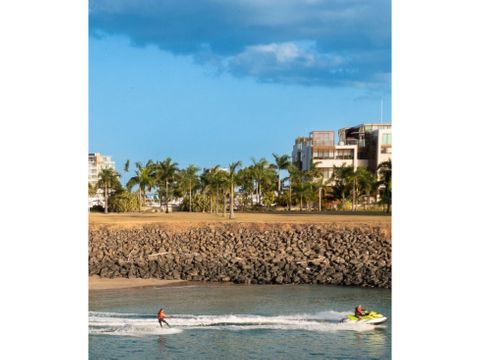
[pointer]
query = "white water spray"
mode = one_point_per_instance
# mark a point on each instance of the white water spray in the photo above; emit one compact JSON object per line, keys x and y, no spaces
{"x":142,"y":325}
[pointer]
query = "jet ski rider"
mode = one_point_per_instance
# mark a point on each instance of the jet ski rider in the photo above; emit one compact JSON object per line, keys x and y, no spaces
{"x":359,"y":312}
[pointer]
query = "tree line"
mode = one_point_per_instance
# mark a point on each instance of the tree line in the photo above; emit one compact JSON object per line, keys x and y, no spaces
{"x":257,"y":186}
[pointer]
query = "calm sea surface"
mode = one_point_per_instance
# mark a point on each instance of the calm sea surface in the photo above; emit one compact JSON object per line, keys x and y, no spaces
{"x":237,"y":322}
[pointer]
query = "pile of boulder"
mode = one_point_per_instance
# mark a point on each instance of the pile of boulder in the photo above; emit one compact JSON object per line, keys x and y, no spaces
{"x":245,"y":253}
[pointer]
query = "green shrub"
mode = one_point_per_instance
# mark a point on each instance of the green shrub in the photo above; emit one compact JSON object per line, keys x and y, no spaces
{"x":268,"y":198}
{"x":200,"y":202}
{"x":282,"y":200}
{"x":123,"y":202}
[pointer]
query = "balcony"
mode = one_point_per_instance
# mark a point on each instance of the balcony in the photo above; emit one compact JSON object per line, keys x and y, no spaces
{"x":386,"y":149}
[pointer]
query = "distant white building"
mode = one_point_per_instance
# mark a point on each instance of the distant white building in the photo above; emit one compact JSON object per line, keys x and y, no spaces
{"x":364,"y":145}
{"x":320,"y":149}
{"x":96,"y":163}
{"x":374,"y":142}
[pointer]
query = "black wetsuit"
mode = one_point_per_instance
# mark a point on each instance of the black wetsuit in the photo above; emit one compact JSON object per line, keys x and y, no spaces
{"x":162,"y":320}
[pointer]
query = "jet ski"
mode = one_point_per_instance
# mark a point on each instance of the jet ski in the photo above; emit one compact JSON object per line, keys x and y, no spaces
{"x":371,"y":317}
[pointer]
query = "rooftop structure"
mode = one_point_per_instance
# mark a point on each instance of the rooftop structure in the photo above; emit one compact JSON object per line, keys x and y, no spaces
{"x":374,"y":141}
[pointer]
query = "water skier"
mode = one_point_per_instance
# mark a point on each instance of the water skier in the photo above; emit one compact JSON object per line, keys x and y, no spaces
{"x":161,"y":318}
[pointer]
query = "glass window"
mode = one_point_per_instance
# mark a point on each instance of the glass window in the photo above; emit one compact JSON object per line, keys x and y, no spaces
{"x":345,"y":154}
{"x":323,"y":138}
{"x":387,"y":139}
{"x":325,"y":154}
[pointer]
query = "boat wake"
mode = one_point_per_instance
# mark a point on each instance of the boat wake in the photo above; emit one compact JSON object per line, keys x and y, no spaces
{"x":128,"y":324}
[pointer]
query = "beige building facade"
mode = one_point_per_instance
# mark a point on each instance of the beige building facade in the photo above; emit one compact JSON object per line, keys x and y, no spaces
{"x":365,"y":145}
{"x":374,"y":142}
{"x":96,"y":163}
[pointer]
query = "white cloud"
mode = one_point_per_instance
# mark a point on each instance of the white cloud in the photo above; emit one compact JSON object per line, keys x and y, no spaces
{"x":284,"y":55}
{"x":282,"y":52}
{"x":321,"y":42}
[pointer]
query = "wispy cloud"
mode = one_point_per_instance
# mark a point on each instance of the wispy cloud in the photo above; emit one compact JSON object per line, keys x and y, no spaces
{"x":308,"y":42}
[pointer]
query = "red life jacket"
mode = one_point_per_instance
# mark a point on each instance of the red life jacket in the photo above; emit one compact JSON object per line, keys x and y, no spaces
{"x":160,"y":315}
{"x":358,"y":311}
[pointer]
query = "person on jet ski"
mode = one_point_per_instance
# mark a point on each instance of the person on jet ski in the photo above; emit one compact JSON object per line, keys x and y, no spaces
{"x":359,"y":312}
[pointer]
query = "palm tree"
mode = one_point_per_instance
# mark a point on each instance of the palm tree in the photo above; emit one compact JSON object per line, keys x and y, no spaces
{"x":143,"y":178}
{"x":281,"y":163}
{"x":366,"y":182}
{"x":342,"y":177}
{"x":258,"y":168}
{"x":232,"y":182}
{"x":108,"y":179}
{"x":206,"y":181}
{"x":245,"y":180}
{"x":188,"y":181}
{"x":315,"y":177}
{"x":385,"y":182}
{"x":360,"y":182}
{"x":352,"y":181}
{"x":218,"y":181}
{"x":302,"y":192}
{"x":264,"y":176}
{"x":92,"y":190}
{"x":165,"y":173}
{"x":223,"y":184}
{"x":210,"y":181}
{"x":294,"y":178}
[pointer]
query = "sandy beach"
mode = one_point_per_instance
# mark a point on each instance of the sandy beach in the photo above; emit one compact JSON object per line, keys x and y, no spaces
{"x":97,"y":283}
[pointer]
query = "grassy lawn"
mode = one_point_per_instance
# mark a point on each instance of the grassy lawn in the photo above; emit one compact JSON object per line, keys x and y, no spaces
{"x":193,"y":218}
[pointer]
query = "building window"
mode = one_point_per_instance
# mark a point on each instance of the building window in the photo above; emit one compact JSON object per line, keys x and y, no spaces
{"x":344,"y":154}
{"x":387,"y":139}
{"x":323,"y":154}
{"x":323,"y":138}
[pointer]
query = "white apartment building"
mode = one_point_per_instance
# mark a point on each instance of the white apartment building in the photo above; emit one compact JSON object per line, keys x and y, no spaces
{"x":97,"y":162}
{"x":384,"y":145}
{"x":374,"y":141}
{"x":320,"y":149}
{"x":364,"y":145}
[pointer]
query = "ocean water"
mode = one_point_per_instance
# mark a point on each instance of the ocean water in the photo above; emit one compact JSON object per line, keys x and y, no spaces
{"x":237,"y":322}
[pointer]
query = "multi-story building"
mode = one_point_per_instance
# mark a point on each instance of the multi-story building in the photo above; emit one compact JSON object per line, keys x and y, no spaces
{"x":97,"y":162}
{"x":320,"y":149}
{"x":374,"y":141}
{"x":364,"y":145}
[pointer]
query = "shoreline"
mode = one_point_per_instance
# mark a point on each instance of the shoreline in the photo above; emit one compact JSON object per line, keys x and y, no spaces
{"x":98,"y":283}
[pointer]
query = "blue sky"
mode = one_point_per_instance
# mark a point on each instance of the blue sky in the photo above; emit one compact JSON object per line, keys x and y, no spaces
{"x":210,"y":82}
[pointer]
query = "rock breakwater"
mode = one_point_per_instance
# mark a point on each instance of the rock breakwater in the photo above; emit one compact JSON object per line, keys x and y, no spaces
{"x":245,"y":253}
